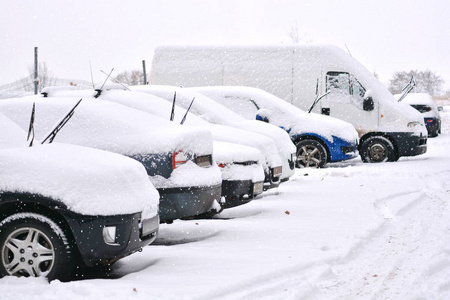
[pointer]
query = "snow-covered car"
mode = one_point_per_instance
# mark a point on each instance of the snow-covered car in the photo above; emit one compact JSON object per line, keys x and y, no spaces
{"x":63,"y":206}
{"x":178,"y":160}
{"x":241,"y":166}
{"x":242,"y":173}
{"x":424,"y":103}
{"x":319,"y":139}
{"x":157,"y":106}
{"x":215,"y":113}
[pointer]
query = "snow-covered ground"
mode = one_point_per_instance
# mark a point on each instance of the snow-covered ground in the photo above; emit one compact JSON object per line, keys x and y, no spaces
{"x":349,"y":231}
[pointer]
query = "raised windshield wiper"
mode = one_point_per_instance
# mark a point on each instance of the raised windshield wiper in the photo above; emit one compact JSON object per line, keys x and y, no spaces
{"x":187,"y":110}
{"x":31,"y":126}
{"x":51,"y":136}
{"x":408,"y":88}
{"x":317,"y":97}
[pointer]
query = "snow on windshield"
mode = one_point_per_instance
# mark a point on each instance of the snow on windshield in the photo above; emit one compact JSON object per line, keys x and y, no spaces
{"x":108,"y":126}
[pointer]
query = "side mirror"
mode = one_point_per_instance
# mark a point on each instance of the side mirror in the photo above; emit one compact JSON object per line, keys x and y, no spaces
{"x":368,"y":104}
{"x":440,"y":108}
{"x":263,"y":115}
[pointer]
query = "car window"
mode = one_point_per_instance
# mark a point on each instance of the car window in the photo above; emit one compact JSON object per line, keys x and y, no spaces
{"x":243,"y":106}
{"x":421,"y":108}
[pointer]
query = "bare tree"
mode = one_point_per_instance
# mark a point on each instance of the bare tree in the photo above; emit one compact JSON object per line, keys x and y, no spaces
{"x":426,"y":82}
{"x":296,"y":38}
{"x":134,"y":77}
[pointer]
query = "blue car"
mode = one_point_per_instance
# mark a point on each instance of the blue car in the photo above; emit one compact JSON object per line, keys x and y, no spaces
{"x":319,"y":139}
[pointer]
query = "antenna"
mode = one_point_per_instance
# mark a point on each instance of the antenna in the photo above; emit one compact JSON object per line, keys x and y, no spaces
{"x":99,"y":91}
{"x":189,"y":108}
{"x":92,"y":77}
{"x":172,"y":113}
{"x":51,"y":136}
{"x":31,"y":127}
{"x":117,"y":81}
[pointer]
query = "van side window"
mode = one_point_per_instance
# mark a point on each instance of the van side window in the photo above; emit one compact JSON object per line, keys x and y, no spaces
{"x":341,"y":84}
{"x":338,"y":83}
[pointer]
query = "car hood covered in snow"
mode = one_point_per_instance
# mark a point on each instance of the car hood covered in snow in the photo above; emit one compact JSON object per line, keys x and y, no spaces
{"x":87,"y":181}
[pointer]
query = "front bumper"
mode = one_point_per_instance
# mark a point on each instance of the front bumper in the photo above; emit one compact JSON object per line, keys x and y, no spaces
{"x":177,"y":203}
{"x":131,"y":235}
{"x":342,"y":150}
{"x":238,"y":192}
{"x":409,"y":144}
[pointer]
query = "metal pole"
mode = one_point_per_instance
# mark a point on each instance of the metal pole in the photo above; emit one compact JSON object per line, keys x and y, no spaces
{"x":36,"y":80}
{"x":145,"y":74}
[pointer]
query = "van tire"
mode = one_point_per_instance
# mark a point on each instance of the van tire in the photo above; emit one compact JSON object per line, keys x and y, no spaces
{"x":32,"y":245}
{"x":378,"y":149}
{"x":311,"y":154}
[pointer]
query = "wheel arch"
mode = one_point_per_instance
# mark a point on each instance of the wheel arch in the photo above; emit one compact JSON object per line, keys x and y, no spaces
{"x":363,"y":138}
{"x":12,"y":203}
{"x":298,"y":138}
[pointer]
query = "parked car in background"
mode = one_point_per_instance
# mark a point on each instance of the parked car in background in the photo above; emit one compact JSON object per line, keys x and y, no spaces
{"x":319,"y":139}
{"x":63,"y":206}
{"x":242,"y":172}
{"x":178,"y":160}
{"x":241,"y":167}
{"x":423,"y":102}
{"x":149,"y":103}
{"x":213,"y":113}
{"x":300,"y":75}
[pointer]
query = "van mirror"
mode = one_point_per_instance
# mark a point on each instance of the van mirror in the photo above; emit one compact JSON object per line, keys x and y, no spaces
{"x":263,"y":115}
{"x":368,"y":104}
{"x":440,"y":108}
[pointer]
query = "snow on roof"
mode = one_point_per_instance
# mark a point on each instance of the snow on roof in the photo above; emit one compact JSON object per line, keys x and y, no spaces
{"x":87,"y":181}
{"x":419,"y":98}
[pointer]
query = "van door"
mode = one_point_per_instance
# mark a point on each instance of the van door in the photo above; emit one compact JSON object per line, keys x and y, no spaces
{"x":347,"y":100}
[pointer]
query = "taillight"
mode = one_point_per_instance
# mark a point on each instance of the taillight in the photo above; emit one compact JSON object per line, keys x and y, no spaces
{"x":178,"y":158}
{"x":221,"y":165}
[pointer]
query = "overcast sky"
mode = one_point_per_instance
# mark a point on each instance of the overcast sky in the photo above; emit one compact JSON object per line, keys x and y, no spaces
{"x":385,"y":35}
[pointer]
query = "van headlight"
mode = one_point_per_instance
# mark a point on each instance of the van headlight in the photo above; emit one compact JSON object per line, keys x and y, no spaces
{"x":412,"y":124}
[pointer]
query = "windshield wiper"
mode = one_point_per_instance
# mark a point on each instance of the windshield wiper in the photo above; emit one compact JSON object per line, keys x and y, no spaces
{"x":51,"y":136}
{"x":185,"y":115}
{"x":31,"y":126}
{"x":408,"y":88}
{"x":317,"y":97}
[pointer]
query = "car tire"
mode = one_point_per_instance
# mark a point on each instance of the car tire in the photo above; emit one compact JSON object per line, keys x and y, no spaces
{"x":378,"y":149}
{"x":311,"y":154}
{"x":32,"y":245}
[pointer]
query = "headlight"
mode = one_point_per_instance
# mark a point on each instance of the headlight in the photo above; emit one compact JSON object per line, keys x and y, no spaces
{"x":412,"y":124}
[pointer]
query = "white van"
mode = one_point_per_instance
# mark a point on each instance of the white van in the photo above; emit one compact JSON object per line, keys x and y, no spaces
{"x":299,"y":74}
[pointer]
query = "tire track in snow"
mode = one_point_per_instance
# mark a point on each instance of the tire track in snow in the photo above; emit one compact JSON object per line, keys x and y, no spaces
{"x":403,"y":254}
{"x":368,"y":272}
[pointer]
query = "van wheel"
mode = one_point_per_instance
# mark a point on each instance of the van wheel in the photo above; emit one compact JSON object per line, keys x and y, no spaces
{"x":32,"y":245}
{"x":311,"y":154}
{"x":377,"y":149}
